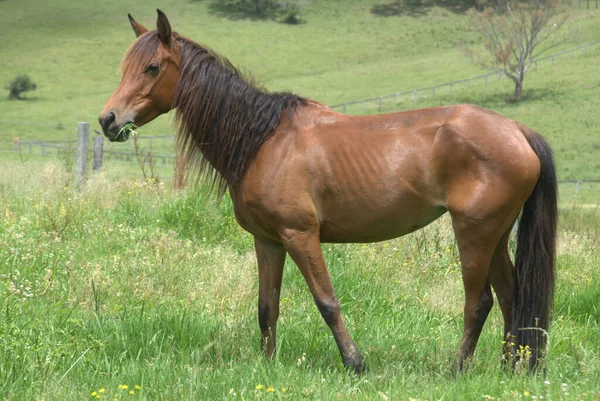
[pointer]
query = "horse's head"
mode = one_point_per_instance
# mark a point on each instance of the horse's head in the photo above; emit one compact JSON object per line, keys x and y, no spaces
{"x":150,"y":75}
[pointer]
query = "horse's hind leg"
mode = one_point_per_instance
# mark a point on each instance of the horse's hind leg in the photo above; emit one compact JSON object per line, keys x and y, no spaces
{"x":271,"y":258}
{"x":305,"y":249}
{"x":476,"y":246}
{"x":501,"y":278}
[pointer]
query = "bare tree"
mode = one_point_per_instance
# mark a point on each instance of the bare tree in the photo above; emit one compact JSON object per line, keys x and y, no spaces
{"x":515,"y":33}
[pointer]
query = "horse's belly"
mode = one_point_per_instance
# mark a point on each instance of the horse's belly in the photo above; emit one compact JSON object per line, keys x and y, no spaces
{"x":372,"y":225}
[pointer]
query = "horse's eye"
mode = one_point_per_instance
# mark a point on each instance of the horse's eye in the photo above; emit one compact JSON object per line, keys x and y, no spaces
{"x":152,"y":68}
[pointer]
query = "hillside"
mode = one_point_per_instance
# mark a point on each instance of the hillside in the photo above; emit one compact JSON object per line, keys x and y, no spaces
{"x":343,"y":52}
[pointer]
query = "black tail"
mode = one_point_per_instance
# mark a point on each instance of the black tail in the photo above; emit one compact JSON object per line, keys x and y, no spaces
{"x":535,"y":258}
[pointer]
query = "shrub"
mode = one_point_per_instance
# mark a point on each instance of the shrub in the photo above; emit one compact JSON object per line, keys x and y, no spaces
{"x":21,"y":83}
{"x":290,"y":10}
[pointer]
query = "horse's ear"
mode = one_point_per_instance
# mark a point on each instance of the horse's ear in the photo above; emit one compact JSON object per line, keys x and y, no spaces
{"x":163,"y":27}
{"x":139,"y":29}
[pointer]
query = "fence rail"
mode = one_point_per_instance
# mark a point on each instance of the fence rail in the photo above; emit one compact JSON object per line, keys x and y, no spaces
{"x":69,"y":147}
{"x":573,"y":191}
{"x":390,"y":100}
{"x":582,"y":3}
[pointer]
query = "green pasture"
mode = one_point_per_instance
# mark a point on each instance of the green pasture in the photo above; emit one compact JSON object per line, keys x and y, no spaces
{"x":131,"y":283}
{"x":130,"y":290}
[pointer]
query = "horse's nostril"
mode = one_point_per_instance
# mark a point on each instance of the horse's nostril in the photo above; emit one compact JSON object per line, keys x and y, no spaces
{"x":106,"y":120}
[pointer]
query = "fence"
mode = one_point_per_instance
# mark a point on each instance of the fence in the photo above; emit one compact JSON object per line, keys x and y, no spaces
{"x":79,"y":149}
{"x":64,"y":147}
{"x":68,"y":147}
{"x":584,"y":193}
{"x":582,"y":3}
{"x":392,"y":100}
{"x":573,"y":192}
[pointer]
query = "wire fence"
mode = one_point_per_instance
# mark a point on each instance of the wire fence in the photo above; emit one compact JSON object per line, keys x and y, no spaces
{"x":584,"y":192}
{"x":68,"y":148}
{"x":588,"y":3}
{"x":396,"y":99}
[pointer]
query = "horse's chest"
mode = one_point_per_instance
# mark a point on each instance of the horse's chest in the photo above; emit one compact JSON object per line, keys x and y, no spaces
{"x":253,"y":220}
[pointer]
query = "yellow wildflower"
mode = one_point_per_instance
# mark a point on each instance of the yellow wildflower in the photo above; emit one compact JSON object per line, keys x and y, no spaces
{"x":131,"y":392}
{"x":526,"y":393}
{"x":123,"y":386}
{"x":259,"y":386}
{"x":138,"y":387}
{"x":94,"y":394}
{"x":283,"y":390}
{"x":270,"y":389}
{"x":102,"y":390}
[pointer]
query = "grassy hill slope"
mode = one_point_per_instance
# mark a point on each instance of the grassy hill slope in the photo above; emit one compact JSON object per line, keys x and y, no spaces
{"x":343,"y":52}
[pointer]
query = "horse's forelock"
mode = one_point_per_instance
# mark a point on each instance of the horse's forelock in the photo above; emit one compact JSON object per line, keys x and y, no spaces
{"x":141,"y":52}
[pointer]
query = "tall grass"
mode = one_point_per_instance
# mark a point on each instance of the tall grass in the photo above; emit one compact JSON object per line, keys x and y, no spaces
{"x":132,"y":283}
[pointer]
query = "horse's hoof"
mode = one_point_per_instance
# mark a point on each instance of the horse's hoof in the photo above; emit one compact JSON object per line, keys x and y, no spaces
{"x":356,"y":364}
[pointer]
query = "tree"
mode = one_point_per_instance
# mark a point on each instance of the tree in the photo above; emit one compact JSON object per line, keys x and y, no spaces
{"x":515,"y":33}
{"x":283,"y":10}
{"x":20,"y":84}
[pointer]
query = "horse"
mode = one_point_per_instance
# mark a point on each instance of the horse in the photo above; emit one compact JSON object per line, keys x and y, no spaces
{"x":300,"y":174}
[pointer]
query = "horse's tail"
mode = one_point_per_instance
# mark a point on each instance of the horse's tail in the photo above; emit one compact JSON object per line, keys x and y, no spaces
{"x":534,"y":273}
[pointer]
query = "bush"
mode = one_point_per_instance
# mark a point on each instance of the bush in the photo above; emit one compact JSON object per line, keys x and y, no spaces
{"x":292,"y":17}
{"x":291,"y":11}
{"x":21,"y":83}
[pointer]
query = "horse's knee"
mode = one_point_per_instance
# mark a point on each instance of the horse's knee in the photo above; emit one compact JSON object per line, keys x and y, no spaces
{"x":330,"y":310}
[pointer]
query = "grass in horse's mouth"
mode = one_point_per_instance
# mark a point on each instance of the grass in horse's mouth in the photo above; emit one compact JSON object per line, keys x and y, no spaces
{"x":128,"y":129}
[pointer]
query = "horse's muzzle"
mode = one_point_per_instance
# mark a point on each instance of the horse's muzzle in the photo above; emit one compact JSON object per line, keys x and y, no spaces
{"x":111,"y":129}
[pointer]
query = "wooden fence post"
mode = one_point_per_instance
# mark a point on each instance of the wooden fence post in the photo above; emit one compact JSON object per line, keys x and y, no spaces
{"x":98,"y":152}
{"x":83,"y":137}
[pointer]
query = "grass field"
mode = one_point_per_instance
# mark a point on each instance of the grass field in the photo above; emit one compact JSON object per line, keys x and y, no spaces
{"x":131,"y":284}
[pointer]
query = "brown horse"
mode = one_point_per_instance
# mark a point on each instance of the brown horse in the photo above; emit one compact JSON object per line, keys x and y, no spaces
{"x":300,"y":173}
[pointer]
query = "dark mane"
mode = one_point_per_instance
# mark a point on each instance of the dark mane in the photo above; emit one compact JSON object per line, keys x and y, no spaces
{"x":223,"y":118}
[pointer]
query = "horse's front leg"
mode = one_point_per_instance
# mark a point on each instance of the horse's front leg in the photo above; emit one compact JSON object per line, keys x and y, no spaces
{"x":305,"y":249}
{"x":271,"y":258}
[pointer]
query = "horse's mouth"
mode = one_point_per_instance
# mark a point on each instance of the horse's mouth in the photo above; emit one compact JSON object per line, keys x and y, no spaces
{"x":121,"y":133}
